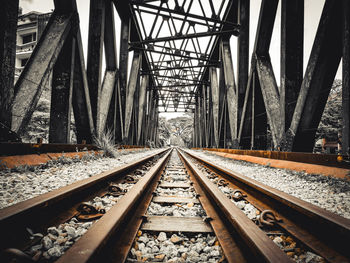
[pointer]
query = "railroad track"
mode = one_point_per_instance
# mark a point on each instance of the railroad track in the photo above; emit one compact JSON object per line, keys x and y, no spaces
{"x":24,"y":225}
{"x":177,"y":210}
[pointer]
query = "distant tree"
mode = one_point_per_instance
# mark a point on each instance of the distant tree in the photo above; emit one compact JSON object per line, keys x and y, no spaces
{"x":331,"y":121}
{"x":163,"y":131}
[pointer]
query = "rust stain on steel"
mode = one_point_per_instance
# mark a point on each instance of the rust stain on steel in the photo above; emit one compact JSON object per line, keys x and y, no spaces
{"x":88,"y":246}
{"x":297,"y":166}
{"x":254,"y":237}
{"x":328,"y":229}
{"x":37,"y":159}
{"x":312,"y":158}
{"x":50,"y":198}
{"x":229,"y":244}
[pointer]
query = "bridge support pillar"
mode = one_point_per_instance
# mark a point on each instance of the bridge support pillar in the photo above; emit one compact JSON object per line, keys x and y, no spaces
{"x":61,"y":93}
{"x":8,"y":21}
{"x":346,"y":79}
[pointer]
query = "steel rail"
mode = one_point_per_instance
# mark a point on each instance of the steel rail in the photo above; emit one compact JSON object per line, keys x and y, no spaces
{"x":321,"y":231}
{"x":112,"y":225}
{"x":58,"y":205}
{"x":252,"y":236}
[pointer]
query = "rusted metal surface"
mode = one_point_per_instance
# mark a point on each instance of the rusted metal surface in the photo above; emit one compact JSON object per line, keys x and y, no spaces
{"x":39,"y":211}
{"x":89,"y":246}
{"x":322,"y":231}
{"x":37,"y":159}
{"x":260,"y":245}
{"x":321,"y":159}
{"x":14,"y":148}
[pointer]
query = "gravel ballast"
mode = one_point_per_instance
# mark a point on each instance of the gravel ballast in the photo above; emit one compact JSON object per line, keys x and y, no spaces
{"x":20,"y":184}
{"x":330,"y":193}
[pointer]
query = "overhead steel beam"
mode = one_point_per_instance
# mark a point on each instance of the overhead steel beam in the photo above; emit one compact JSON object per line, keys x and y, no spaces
{"x":173,"y":11}
{"x":171,"y":54}
{"x":180,"y":67}
{"x":187,"y":36}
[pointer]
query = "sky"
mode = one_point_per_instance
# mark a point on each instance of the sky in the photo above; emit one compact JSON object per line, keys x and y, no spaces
{"x":313,"y":9}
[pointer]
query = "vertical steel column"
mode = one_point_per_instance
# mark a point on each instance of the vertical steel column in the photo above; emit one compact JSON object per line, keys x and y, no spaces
{"x":111,"y":65}
{"x":222,"y":106}
{"x":346,"y":78}
{"x":232,"y":95}
{"x":292,"y":51}
{"x":95,"y":48}
{"x":201,"y":117}
{"x":124,"y":59}
{"x":8,"y":21}
{"x":142,"y":107}
{"x":319,"y":76}
{"x":61,"y":94}
{"x":204,"y":116}
{"x":81,"y":100}
{"x":242,"y":54}
{"x":214,"y":85}
{"x":135,"y":67}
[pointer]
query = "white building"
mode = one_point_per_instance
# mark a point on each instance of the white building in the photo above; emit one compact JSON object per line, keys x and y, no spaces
{"x":29,"y":29}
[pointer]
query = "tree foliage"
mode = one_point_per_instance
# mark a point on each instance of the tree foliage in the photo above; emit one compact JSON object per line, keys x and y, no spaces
{"x":176,"y":131}
{"x":331,"y":121}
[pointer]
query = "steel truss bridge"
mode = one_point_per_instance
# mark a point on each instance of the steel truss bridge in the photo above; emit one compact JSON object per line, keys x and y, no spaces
{"x":181,"y":60}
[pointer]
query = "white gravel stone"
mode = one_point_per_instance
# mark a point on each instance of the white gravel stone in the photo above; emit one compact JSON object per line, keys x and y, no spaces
{"x":54,"y":252}
{"x":18,"y":185}
{"x":330,"y":193}
{"x":162,"y":236}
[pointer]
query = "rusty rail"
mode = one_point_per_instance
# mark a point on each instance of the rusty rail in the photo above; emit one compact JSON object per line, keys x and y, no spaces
{"x":42,"y":211}
{"x":253,"y":237}
{"x":112,"y":225}
{"x":320,"y":230}
{"x":17,"y":148}
{"x":333,"y":160}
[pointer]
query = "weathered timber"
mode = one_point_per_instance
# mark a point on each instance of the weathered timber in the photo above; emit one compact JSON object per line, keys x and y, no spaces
{"x":8,"y":21}
{"x":61,"y":93}
{"x":30,"y":84}
{"x":176,"y":224}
